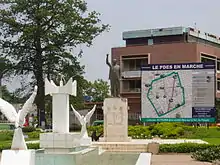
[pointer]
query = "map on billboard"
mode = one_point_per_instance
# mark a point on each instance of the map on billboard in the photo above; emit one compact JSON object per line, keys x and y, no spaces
{"x":178,"y":92}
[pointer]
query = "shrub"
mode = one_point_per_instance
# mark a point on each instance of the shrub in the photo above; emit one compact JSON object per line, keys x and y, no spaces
{"x":33,"y":135}
{"x":33,"y":146}
{"x":139,"y":132}
{"x":208,"y":155}
{"x":28,"y":129}
{"x":167,"y":130}
{"x":183,"y":147}
{"x":6,"y":135}
{"x":7,"y":146}
{"x":98,"y":129}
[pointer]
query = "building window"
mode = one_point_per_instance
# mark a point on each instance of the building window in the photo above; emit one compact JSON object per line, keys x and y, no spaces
{"x":150,"y":42}
{"x":134,"y":63}
{"x":207,"y":58}
{"x":131,"y":86}
{"x":218,"y":84}
{"x":218,"y":65}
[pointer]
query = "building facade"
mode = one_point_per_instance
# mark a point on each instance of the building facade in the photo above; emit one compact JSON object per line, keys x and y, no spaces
{"x":161,"y":46}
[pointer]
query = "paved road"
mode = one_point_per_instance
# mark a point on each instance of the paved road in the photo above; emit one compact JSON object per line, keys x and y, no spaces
{"x":179,"y":159}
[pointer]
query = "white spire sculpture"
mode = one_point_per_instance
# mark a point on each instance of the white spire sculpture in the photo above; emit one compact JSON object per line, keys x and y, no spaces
{"x":18,"y":142}
{"x":60,"y":95}
{"x":84,"y":120}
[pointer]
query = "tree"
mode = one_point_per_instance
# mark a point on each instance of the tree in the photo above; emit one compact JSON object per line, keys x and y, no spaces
{"x":6,"y":95}
{"x":39,"y":33}
{"x":98,"y":90}
{"x":5,"y":70}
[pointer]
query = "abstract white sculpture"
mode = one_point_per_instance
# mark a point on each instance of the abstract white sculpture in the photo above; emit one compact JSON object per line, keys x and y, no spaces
{"x":60,"y":95}
{"x":18,"y":142}
{"x":83,"y":120}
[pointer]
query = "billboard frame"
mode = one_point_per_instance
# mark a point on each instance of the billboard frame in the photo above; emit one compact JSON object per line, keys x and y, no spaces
{"x":158,"y":119}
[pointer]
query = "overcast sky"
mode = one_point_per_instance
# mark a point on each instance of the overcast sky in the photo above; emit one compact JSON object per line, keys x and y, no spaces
{"x":125,"y":15}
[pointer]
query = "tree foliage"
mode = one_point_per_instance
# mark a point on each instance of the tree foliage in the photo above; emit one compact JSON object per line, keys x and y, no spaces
{"x":98,"y":90}
{"x":5,"y":70}
{"x":11,"y":97}
{"x":39,"y":36}
{"x":5,"y":67}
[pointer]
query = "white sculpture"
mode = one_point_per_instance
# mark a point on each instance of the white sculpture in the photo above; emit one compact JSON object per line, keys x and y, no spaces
{"x":60,"y":95}
{"x":83,"y":120}
{"x":18,"y":142}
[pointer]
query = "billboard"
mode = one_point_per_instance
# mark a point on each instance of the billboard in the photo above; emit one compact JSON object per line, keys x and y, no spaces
{"x":178,"y":92}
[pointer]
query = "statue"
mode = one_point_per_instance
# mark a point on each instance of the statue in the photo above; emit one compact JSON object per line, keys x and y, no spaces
{"x":114,"y":77}
{"x":83,"y":120}
{"x":60,"y":107}
{"x":18,"y":142}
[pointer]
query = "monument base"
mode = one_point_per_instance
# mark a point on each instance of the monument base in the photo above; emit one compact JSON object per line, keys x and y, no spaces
{"x":18,"y":157}
{"x":116,"y":120}
{"x":86,"y":141}
{"x":128,"y":139}
{"x":59,"y":142}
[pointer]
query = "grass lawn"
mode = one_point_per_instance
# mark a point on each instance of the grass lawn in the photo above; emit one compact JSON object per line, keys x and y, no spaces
{"x":212,"y":140}
{"x":5,"y":126}
{"x":5,"y":142}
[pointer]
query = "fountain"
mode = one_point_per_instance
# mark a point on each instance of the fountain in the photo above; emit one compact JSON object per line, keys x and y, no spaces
{"x":61,"y":147}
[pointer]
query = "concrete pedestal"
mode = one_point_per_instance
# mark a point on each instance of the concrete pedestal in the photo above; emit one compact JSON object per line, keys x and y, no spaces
{"x":59,"y":142}
{"x":86,"y":141}
{"x":18,"y":157}
{"x":116,"y":120}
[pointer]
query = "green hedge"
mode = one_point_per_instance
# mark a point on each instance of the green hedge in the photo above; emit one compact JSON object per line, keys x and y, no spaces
{"x":33,"y":135}
{"x":98,"y":129}
{"x":28,"y":129}
{"x":167,"y":131}
{"x":6,"y":135}
{"x":200,"y":152}
{"x":184,"y":147}
{"x":209,"y":155}
{"x":163,"y":130}
{"x":29,"y":145}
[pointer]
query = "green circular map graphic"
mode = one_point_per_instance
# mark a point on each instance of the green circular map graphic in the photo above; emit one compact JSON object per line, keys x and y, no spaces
{"x":161,"y":95}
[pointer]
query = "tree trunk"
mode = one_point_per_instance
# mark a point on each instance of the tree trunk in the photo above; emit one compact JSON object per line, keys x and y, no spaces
{"x":40,"y":100}
{"x":1,"y":86}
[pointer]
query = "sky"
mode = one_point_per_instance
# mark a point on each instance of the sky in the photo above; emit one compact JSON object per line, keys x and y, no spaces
{"x":123,"y":15}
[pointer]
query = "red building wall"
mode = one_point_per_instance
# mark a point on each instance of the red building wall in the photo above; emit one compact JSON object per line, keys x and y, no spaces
{"x":163,"y":53}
